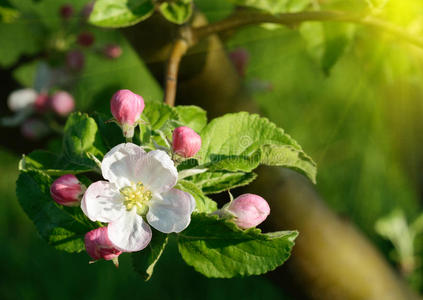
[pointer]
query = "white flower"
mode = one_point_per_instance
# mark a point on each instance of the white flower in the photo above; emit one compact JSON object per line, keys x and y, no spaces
{"x":140,"y":185}
{"x":21,"y":99}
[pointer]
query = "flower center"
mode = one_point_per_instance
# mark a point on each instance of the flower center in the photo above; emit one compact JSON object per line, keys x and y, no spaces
{"x":138,"y":196}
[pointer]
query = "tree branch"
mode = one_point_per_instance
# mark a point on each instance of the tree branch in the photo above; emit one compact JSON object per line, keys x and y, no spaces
{"x":179,"y":48}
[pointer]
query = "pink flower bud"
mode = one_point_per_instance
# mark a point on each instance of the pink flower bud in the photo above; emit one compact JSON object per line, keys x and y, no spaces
{"x":67,"y":190}
{"x":85,"y":39}
{"x":186,"y":142}
{"x":126,"y":108}
{"x":66,"y":11}
{"x":42,"y":102}
{"x":34,"y":129}
{"x":249,"y":209}
{"x":75,"y":60}
{"x":99,"y":246}
{"x":112,"y":51}
{"x":62,"y":103}
{"x":240,"y":58}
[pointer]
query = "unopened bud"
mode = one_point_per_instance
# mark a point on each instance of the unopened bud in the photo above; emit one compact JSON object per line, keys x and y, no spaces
{"x":21,"y":99}
{"x":34,"y":129}
{"x":112,"y":51}
{"x":67,"y":190}
{"x":240,"y":58}
{"x":99,"y":246}
{"x":85,"y":39}
{"x":62,"y":103}
{"x":66,"y":11}
{"x":75,"y":60}
{"x":185,"y":141}
{"x":41,"y":103}
{"x":249,"y":210}
{"x":126,"y":108}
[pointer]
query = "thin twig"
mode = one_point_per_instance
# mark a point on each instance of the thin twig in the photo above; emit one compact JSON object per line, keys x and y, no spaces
{"x":179,"y":48}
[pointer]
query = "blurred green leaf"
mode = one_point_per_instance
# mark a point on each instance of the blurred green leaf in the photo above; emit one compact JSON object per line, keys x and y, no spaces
{"x":176,"y":11}
{"x":144,"y":261}
{"x":220,"y":181}
{"x":120,"y":13}
{"x":62,"y":227}
{"x":217,"y":248}
{"x":274,"y":6}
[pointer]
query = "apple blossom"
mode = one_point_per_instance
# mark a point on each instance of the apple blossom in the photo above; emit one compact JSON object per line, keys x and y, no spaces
{"x":67,"y":190}
{"x":62,"y":103}
{"x":21,"y":99}
{"x":139,"y":189}
{"x":185,"y":141}
{"x":249,"y":210}
{"x":126,"y":108}
{"x":99,"y":246}
{"x":112,"y":51}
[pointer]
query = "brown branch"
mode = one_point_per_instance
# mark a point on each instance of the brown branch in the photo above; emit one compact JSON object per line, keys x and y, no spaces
{"x":179,"y":48}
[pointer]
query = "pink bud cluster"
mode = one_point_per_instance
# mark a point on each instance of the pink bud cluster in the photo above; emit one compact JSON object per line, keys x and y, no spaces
{"x":185,"y":142}
{"x":67,"y":190}
{"x":248,"y":210}
{"x":60,"y":102}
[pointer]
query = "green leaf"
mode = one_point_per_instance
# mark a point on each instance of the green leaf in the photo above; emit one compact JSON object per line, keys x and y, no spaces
{"x":8,"y":13}
{"x":241,"y":138}
{"x":217,"y":248}
{"x":192,"y":116}
{"x":81,"y":136}
{"x":157,"y":114}
{"x":62,"y":227}
{"x":178,"y":11}
{"x":144,"y":261}
{"x":50,"y":163}
{"x":120,"y":13}
{"x":110,"y":132}
{"x":203,"y":203}
{"x":327,"y":43}
{"x":220,"y":181}
{"x":274,"y":6}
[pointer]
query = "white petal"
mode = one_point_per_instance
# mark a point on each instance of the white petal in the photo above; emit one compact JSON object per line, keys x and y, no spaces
{"x":102,"y":202}
{"x":21,"y":99}
{"x":157,"y":171}
{"x":118,"y":165}
{"x":129,"y":233}
{"x":172,"y":212}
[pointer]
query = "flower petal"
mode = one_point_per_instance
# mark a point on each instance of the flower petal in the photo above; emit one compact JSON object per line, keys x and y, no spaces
{"x":118,"y":165}
{"x":129,"y":233}
{"x":157,"y":171}
{"x":171,"y":213}
{"x":102,"y":202}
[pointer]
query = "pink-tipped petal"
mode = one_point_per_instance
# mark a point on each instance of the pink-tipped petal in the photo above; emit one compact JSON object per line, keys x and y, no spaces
{"x":186,"y":142}
{"x":99,"y":246}
{"x":250,"y":210}
{"x":172,"y":212}
{"x":102,"y":202}
{"x":129,"y":233}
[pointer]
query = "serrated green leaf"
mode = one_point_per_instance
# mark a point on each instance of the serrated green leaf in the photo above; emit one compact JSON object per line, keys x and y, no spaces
{"x":220,"y":181}
{"x":62,"y":227}
{"x":192,"y":116}
{"x":81,"y":136}
{"x":217,"y":248}
{"x":120,"y":13}
{"x":203,"y":203}
{"x":144,"y":261}
{"x":241,"y":138}
{"x":178,"y":11}
{"x":50,"y":163}
{"x":157,"y":113}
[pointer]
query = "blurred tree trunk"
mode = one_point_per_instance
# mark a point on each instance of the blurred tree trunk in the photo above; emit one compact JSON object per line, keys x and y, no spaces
{"x":331,"y":259}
